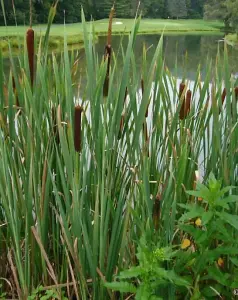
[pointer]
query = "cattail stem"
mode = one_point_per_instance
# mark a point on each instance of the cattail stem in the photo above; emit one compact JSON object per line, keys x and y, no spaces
{"x":77,"y":128}
{"x":109,"y":33}
{"x":30,"y":39}
{"x":31,"y":12}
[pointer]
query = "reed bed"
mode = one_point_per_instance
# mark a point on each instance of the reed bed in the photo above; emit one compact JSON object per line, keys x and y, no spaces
{"x":84,"y":178}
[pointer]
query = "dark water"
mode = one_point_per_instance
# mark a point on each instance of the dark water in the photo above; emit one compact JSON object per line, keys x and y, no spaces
{"x":198,"y":48}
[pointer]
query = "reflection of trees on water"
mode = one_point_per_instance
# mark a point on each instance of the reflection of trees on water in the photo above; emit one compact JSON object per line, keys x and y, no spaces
{"x":198,"y":47}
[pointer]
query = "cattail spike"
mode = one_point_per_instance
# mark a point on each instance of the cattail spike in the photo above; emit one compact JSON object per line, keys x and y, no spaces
{"x":181,"y":92}
{"x":157,"y":210}
{"x":30,"y":38}
{"x":77,"y":128}
{"x":188,"y":103}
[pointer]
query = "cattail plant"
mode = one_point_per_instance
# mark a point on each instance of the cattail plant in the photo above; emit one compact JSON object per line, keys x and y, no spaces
{"x":30,"y":40}
{"x":108,"y":53}
{"x":77,"y":127}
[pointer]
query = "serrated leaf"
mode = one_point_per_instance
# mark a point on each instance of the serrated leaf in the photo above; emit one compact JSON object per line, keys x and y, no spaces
{"x":123,"y":287}
{"x":132,"y":272}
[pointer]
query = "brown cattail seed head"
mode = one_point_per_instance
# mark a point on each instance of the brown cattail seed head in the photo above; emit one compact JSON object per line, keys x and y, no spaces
{"x":183,"y":107}
{"x":77,"y":128}
{"x":30,"y":37}
{"x":188,"y":103}
{"x":107,"y":55}
{"x":156,"y":210}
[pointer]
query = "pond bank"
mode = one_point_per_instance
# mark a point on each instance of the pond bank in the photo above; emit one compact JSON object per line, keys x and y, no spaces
{"x":120,"y":26}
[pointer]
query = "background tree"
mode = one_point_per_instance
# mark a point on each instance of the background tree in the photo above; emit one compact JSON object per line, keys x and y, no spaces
{"x":232,"y":9}
{"x":217,"y":9}
{"x":177,"y":9}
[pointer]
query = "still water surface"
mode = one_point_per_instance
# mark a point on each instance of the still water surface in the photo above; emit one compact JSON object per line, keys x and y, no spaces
{"x":198,"y":48}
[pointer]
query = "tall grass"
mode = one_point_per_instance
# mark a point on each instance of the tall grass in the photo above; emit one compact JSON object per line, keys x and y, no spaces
{"x":75,"y":199}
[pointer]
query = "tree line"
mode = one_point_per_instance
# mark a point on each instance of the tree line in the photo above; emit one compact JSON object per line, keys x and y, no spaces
{"x":70,"y":10}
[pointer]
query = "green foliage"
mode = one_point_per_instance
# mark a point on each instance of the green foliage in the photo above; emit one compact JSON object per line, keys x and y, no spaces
{"x":150,"y":278}
{"x":69,"y":10}
{"x":2,"y":294}
{"x":42,"y":294}
{"x":177,"y":9}
{"x":225,"y":10}
{"x":209,"y":262}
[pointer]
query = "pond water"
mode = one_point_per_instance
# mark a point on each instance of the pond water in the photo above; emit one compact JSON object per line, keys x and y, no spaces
{"x":197,"y":47}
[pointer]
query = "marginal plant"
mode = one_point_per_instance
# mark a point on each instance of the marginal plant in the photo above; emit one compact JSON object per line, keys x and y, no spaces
{"x":149,"y":279}
{"x":208,"y":256}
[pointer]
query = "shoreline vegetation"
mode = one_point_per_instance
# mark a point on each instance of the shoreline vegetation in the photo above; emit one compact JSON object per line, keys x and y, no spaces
{"x":74,"y":32}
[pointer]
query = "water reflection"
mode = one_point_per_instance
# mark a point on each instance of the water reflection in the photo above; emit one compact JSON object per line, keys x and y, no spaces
{"x":199,"y":48}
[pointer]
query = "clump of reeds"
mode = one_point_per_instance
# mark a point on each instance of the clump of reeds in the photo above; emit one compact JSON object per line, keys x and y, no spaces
{"x":108,"y":53}
{"x":77,"y":127}
{"x":30,"y":41}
